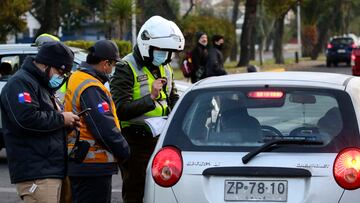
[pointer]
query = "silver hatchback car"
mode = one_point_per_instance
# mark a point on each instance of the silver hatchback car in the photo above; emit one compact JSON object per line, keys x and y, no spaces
{"x":261,"y":137}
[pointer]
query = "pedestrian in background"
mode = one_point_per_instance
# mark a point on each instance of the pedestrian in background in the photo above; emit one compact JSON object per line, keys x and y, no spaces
{"x":34,"y":128}
{"x":215,"y":62}
{"x":143,"y":87}
{"x":199,"y":56}
{"x":98,"y":148}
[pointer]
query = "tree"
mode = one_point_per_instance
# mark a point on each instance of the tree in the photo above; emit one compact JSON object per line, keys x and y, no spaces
{"x":47,"y":13}
{"x":235,"y":16}
{"x":248,"y":26}
{"x":279,"y":9}
{"x":120,"y":11}
{"x":11,"y":19}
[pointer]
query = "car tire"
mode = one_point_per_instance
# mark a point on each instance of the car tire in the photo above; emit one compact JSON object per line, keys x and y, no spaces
{"x":335,"y":64}
{"x":348,"y":63}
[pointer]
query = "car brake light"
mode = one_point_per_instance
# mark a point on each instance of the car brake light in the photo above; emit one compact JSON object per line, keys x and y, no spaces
{"x":346,"y":168}
{"x":329,"y":46}
{"x":353,"y":45}
{"x":167,"y":166}
{"x":353,"y":57}
{"x":265,"y":94}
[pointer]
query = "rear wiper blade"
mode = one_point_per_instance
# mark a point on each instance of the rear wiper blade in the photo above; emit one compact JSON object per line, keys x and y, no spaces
{"x":271,"y":144}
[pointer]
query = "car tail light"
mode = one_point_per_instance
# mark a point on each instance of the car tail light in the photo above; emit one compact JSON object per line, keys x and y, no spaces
{"x":329,"y":46}
{"x":346,"y":168}
{"x":265,"y":94}
{"x":167,"y":166}
{"x":353,"y":45}
{"x":353,"y":57}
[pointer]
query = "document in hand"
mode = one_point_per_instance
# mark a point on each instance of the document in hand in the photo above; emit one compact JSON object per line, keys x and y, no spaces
{"x":156,"y":124}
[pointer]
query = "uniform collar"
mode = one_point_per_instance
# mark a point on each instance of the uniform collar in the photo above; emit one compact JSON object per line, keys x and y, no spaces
{"x":87,"y":68}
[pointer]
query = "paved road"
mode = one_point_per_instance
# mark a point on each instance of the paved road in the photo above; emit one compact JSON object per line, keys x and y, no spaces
{"x":8,"y":192}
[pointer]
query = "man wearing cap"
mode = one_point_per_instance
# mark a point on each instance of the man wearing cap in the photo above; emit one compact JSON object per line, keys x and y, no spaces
{"x":34,"y":128}
{"x":105,"y":147}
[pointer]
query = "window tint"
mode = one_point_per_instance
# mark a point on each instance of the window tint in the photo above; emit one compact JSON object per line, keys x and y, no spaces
{"x":229,"y":119}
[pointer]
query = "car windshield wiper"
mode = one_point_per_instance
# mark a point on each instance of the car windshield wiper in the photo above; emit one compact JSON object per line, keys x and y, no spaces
{"x":275,"y":143}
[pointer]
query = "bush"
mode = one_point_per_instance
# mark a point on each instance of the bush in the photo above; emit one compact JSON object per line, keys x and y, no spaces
{"x":124,"y":46}
{"x":211,"y":26}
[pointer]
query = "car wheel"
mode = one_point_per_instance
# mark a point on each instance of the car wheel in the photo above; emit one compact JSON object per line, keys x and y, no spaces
{"x":335,"y":64}
{"x":348,"y":63}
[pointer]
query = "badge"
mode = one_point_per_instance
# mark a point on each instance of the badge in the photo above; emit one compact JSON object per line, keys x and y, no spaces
{"x":142,"y":78}
{"x":103,"y":107}
{"x":24,"y":97}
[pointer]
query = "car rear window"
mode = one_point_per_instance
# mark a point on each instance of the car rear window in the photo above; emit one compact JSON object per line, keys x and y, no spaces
{"x":343,"y":41}
{"x":243,"y":118}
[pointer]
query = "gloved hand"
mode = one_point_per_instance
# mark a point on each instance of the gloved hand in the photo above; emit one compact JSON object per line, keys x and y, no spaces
{"x":157,"y":87}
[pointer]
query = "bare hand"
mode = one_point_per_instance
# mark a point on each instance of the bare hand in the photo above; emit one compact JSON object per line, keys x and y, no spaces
{"x":71,"y":120}
{"x":156,"y":87}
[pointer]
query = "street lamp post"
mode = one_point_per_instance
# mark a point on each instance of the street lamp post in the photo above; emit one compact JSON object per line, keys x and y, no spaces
{"x":133,"y":23}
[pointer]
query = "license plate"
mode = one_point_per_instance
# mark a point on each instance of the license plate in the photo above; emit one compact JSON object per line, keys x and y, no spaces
{"x":256,"y":190}
{"x":341,"y":51}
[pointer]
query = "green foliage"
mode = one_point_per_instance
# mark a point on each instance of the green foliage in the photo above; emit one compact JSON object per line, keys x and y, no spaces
{"x":277,"y":8}
{"x":11,"y":16}
{"x":209,"y":25}
{"x":124,"y":46}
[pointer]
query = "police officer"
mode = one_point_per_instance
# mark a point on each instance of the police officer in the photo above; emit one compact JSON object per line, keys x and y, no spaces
{"x":43,"y":38}
{"x":34,"y":128}
{"x":99,"y":148}
{"x":142,"y":87}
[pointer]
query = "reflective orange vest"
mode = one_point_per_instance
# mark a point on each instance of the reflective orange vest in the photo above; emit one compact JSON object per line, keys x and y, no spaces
{"x":78,"y":82}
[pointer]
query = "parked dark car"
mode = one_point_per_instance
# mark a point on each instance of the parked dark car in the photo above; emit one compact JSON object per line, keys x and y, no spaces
{"x":339,"y":50}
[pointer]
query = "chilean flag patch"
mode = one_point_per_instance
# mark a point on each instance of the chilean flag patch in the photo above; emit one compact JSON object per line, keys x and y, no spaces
{"x":103,"y":107}
{"x":24,"y":97}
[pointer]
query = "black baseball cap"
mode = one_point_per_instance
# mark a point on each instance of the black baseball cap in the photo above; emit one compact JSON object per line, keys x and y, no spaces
{"x":106,"y":49}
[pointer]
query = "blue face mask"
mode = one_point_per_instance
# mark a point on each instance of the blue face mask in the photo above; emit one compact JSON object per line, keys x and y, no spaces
{"x":159,"y":57}
{"x":55,"y":81}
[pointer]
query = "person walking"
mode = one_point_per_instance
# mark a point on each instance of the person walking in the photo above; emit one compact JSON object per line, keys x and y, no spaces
{"x":199,"y":56}
{"x":142,"y":87}
{"x":98,"y":148}
{"x":34,"y":128}
{"x":215,"y":62}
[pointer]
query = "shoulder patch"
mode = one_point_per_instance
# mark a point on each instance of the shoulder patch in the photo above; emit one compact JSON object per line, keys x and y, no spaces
{"x":24,"y":97}
{"x":103,"y":107}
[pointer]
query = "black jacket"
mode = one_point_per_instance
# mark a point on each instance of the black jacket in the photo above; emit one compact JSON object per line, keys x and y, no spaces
{"x":34,"y":130}
{"x":215,"y":63}
{"x":199,"y":57}
{"x":102,"y":127}
{"x":122,"y":91}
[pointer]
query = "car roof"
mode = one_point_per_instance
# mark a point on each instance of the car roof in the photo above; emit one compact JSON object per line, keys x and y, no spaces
{"x":287,"y":78}
{"x":26,"y":47}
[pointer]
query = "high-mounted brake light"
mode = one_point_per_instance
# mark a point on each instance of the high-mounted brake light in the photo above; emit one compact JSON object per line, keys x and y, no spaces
{"x":167,"y":166}
{"x":346,"y":168}
{"x":265,"y":94}
{"x":329,"y":46}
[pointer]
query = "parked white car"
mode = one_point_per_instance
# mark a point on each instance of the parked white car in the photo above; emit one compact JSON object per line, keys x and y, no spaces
{"x":261,"y":137}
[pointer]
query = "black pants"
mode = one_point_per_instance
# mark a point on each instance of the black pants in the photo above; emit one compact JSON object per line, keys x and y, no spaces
{"x":94,"y":189}
{"x":133,"y":172}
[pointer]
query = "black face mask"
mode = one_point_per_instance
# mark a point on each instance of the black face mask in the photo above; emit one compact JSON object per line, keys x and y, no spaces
{"x":220,"y":46}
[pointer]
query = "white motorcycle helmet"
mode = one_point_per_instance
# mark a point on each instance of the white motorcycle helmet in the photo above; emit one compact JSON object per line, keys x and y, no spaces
{"x":157,"y":32}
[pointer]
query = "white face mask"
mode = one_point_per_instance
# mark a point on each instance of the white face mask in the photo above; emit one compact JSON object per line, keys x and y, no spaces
{"x":159,"y":57}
